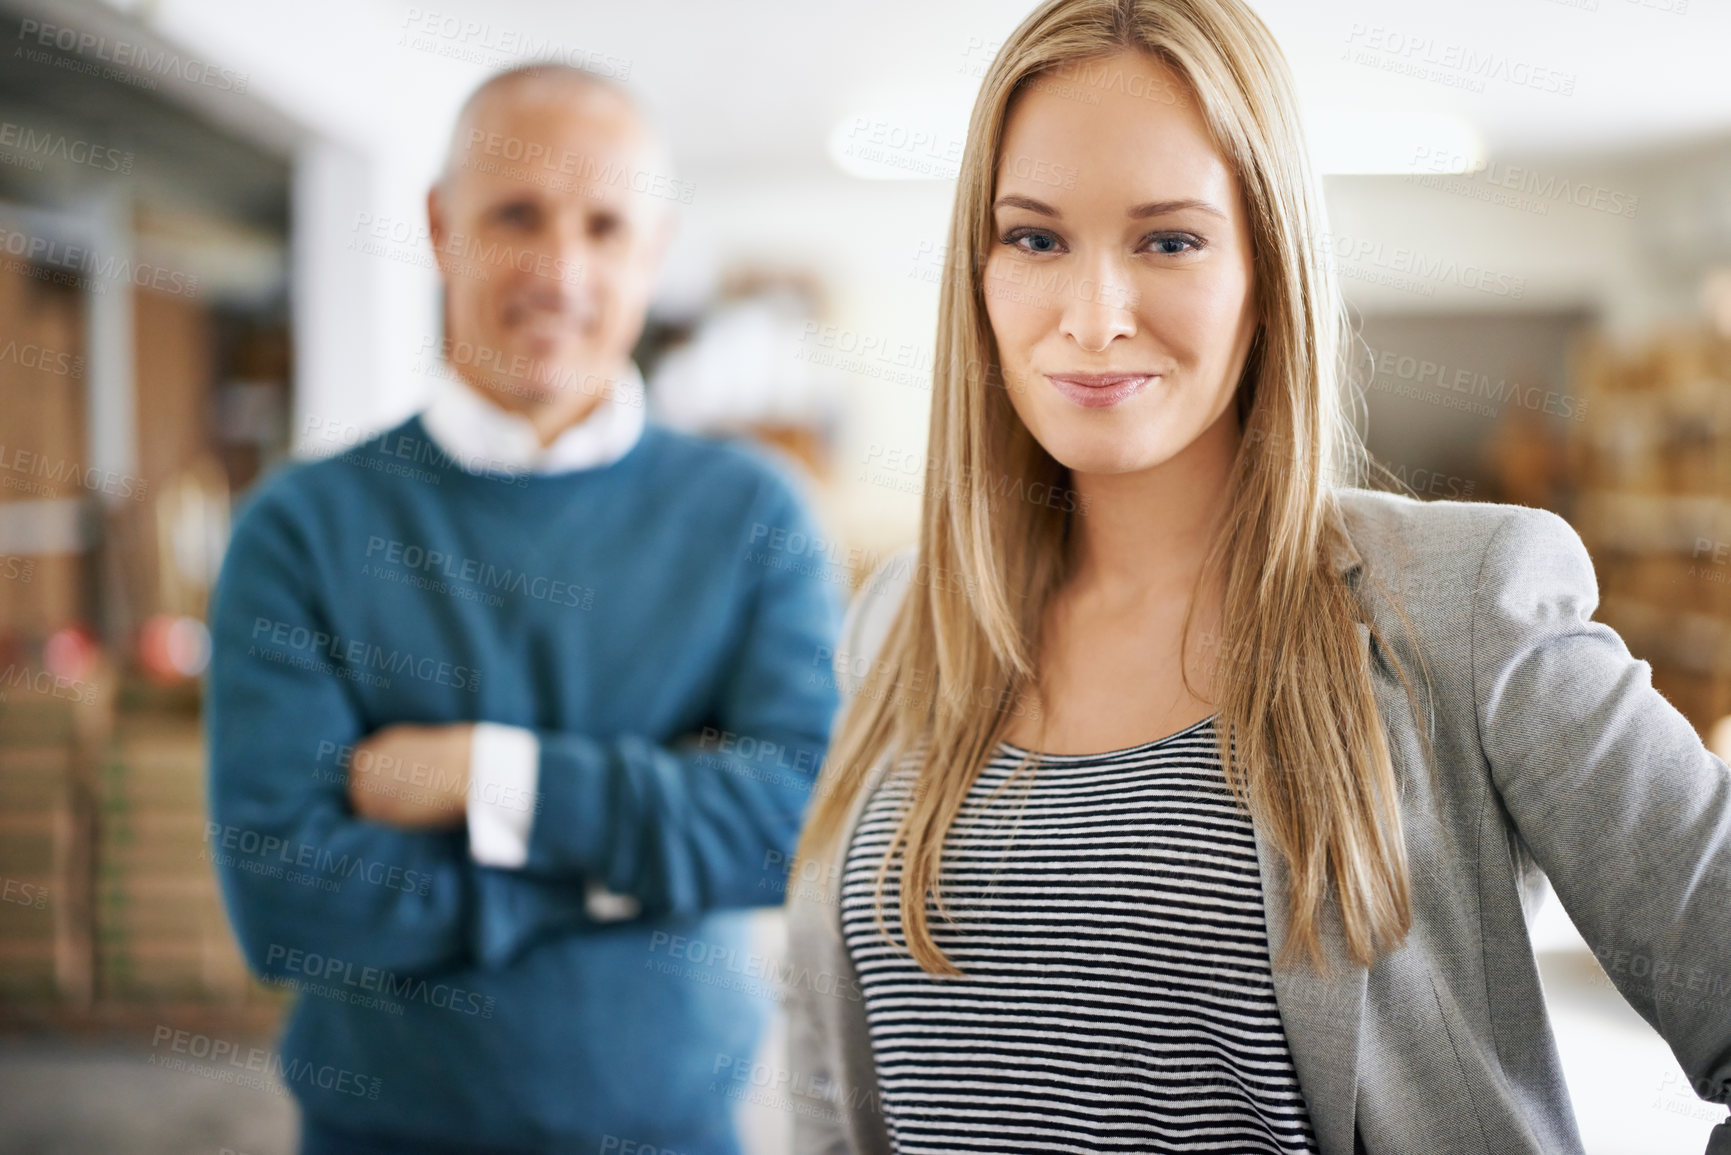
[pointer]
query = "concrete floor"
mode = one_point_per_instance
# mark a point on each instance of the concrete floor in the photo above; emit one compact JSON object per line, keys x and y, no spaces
{"x":71,"y":1098}
{"x":74,"y":1098}
{"x":1629,"y":1094}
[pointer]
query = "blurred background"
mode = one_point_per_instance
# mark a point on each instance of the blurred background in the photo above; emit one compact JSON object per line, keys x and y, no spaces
{"x":213,"y":259}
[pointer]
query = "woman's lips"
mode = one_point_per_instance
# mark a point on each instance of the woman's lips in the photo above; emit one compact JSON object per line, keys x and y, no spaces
{"x":1098,"y":390}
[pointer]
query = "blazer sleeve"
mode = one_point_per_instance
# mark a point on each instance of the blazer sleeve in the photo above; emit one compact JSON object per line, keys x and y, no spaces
{"x":1612,"y":790}
{"x":821,"y":996}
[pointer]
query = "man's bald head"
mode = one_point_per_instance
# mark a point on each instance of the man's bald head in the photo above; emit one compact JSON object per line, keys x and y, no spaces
{"x":490,"y":111}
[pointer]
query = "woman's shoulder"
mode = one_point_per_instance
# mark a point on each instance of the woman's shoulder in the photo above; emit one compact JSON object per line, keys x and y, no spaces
{"x":1443,"y":551}
{"x":1458,"y":580}
{"x":871,"y":609}
{"x":1394,"y":521}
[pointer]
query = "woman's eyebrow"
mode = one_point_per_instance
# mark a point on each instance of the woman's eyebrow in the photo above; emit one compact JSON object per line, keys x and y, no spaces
{"x":1029,"y":203}
{"x":1137,"y":212}
{"x":1161,"y":208}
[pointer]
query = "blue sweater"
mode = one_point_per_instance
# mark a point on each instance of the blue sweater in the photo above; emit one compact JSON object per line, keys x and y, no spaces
{"x":659,"y":624}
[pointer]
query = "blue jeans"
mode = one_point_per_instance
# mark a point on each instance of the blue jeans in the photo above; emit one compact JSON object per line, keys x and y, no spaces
{"x":319,"y":1138}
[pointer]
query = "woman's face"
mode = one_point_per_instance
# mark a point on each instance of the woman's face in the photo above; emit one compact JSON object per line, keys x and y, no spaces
{"x":1118,"y":282}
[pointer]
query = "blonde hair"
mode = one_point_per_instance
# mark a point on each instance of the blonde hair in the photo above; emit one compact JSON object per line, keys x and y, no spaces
{"x":1297,"y":726}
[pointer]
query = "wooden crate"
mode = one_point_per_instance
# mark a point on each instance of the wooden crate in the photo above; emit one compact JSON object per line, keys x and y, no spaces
{"x":162,"y":933}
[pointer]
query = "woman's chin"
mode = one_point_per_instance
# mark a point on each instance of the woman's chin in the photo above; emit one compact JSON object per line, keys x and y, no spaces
{"x":1097,"y":453}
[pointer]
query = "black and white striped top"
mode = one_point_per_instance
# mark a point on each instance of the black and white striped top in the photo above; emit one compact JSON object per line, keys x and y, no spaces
{"x":1116,"y":993}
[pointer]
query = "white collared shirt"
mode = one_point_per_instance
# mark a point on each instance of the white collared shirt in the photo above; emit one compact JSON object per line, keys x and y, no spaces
{"x":483,"y":437}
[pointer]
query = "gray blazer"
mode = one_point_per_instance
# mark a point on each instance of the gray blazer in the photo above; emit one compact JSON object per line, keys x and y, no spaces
{"x":1555,"y":757}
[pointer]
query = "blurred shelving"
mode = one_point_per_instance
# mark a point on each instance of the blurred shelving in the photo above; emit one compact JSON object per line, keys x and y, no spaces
{"x":1653,"y":460}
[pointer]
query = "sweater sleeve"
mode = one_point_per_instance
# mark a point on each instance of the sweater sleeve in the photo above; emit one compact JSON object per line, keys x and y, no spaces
{"x":299,"y":872}
{"x":710,"y":821}
{"x":1611,"y":789}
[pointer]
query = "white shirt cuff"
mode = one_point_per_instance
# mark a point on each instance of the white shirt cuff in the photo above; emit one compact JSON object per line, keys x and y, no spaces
{"x":504,"y":773}
{"x":604,"y":905}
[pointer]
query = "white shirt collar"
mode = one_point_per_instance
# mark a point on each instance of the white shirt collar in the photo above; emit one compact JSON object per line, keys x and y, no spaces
{"x":482,"y":437}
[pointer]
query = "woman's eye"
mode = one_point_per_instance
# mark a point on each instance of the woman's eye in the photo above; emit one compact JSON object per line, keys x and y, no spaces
{"x":1172,"y":244}
{"x":1033,"y":241}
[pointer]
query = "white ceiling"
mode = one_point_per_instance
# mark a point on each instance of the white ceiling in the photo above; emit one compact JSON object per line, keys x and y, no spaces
{"x":748,"y":85}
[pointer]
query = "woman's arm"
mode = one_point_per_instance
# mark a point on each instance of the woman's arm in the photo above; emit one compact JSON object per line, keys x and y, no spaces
{"x":1611,"y":789}
{"x":820,"y":990}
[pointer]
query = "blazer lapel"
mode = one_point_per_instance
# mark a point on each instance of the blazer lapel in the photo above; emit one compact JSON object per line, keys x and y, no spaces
{"x":1322,"y":1014}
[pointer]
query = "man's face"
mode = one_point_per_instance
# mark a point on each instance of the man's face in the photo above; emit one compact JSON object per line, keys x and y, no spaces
{"x":547,"y":254}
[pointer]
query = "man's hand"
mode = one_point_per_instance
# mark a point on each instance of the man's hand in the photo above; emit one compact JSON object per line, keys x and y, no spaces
{"x":416,"y":777}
